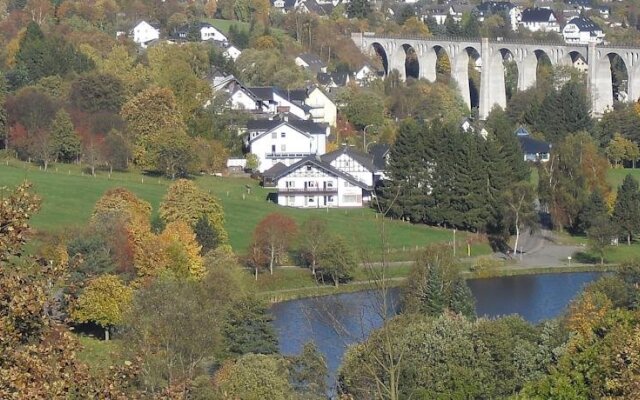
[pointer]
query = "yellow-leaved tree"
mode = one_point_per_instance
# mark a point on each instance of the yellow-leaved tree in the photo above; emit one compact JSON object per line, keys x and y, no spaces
{"x":185,"y":202}
{"x":104,"y":301}
{"x":182,"y":250}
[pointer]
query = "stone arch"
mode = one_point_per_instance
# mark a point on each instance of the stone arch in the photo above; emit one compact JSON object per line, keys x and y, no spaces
{"x":411,"y":61}
{"x":605,"y":89}
{"x":529,"y":66}
{"x":378,"y":50}
{"x":510,"y":71}
{"x":460,"y":73}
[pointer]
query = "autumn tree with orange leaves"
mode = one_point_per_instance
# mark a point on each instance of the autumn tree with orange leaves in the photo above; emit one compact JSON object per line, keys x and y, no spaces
{"x":272,"y":239}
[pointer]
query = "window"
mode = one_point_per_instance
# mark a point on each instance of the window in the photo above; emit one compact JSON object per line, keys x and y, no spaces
{"x":291,"y":200}
{"x":283,"y":147}
{"x":274,"y":135}
{"x":329,"y":184}
{"x":283,"y":135}
{"x":290,"y":184}
{"x":308,"y":167}
{"x":352,"y":198}
{"x":310,"y":199}
{"x":329,"y":199}
{"x":273,"y":148}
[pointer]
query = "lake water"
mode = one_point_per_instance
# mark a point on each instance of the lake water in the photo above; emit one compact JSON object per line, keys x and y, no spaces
{"x":334,"y":322}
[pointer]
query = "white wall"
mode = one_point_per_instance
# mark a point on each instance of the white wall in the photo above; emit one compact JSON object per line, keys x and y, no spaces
{"x":317,"y":99}
{"x":350,"y":166}
{"x":289,"y":149}
{"x":242,"y":101}
{"x":340,"y":193}
{"x":211,"y":33}
{"x":293,"y":108}
{"x":143,"y":32}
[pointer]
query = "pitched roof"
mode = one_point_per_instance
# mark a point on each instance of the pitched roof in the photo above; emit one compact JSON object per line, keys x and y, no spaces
{"x":310,"y":127}
{"x":530,"y":145}
{"x":585,"y":24}
{"x":379,"y":152}
{"x":275,"y":170}
{"x":340,"y":78}
{"x":522,"y":131}
{"x":323,"y":78}
{"x":322,"y":164}
{"x":365,"y":159}
{"x":537,"y":14}
{"x":313,"y":61}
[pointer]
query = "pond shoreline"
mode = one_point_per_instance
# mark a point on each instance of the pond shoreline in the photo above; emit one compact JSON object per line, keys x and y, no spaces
{"x":284,"y":295}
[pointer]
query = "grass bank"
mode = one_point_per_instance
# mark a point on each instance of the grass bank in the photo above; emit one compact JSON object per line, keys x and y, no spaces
{"x":69,"y":196}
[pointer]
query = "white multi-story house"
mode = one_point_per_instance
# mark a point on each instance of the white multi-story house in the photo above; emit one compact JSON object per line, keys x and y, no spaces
{"x":269,"y":100}
{"x":342,"y":178}
{"x":582,"y":30}
{"x":209,"y":32}
{"x":285,"y":142}
{"x":144,"y":32}
{"x":538,"y":19}
{"x":323,"y":109}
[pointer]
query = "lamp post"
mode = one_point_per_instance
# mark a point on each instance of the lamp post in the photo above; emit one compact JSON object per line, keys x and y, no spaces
{"x":367,"y":147}
{"x":364,"y":144}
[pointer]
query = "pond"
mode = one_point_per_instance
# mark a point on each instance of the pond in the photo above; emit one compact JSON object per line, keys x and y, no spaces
{"x":334,"y":322}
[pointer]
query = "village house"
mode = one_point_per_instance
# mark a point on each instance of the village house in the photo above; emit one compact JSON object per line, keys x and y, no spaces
{"x":539,"y":20}
{"x":380,"y":154}
{"x":488,"y":8}
{"x":203,"y":32}
{"x":342,"y":178}
{"x":285,"y":141}
{"x":534,"y":150}
{"x":311,"y":62}
{"x":232,"y":52}
{"x":144,"y":32}
{"x":582,"y":30}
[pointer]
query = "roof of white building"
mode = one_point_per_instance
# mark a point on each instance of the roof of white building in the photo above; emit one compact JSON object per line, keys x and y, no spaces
{"x":318,"y":162}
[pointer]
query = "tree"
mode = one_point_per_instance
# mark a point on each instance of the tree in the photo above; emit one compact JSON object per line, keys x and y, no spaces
{"x":358,"y":9}
{"x":16,"y":208}
{"x":617,"y":149}
{"x":626,"y":211}
{"x":600,"y":234}
{"x":594,"y":208}
{"x":337,"y":260}
{"x":64,"y":138}
{"x":117,"y":150}
{"x":97,"y":92}
{"x":253,"y":162}
{"x":41,"y":148}
{"x":205,"y":235}
{"x":172,"y":154}
{"x":248,"y":328}
{"x":176,"y":325}
{"x":151,"y":111}
{"x":184,"y":258}
{"x":308,"y":373}
{"x":364,"y":108}
{"x":273,"y":236}
{"x":255,"y":377}
{"x":313,"y":234}
{"x":413,"y":26}
{"x":520,"y":209}
{"x":184,"y":201}
{"x":104,"y":301}
{"x":435,"y":285}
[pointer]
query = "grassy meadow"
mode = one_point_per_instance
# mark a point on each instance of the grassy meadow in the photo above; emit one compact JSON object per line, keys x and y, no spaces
{"x":69,"y":196}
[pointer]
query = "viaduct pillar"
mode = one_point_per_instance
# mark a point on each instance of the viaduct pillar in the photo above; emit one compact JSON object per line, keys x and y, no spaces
{"x":492,"y":86}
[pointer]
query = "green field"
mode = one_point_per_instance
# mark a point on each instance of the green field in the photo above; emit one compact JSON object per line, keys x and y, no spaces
{"x":615,"y":176}
{"x":69,"y":197}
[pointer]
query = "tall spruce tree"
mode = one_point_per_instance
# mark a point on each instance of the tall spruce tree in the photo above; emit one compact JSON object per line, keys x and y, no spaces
{"x":594,"y":208}
{"x":626,"y":212}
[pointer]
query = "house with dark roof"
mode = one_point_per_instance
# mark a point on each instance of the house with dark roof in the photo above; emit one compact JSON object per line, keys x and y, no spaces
{"x":380,"y":153}
{"x":538,"y":19}
{"x":342,"y":178}
{"x":269,"y":100}
{"x":311,"y":62}
{"x":534,"y":150}
{"x":582,"y":30}
{"x":284,"y":141}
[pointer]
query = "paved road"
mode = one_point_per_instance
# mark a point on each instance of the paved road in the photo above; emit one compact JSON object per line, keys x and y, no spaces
{"x":542,"y":248}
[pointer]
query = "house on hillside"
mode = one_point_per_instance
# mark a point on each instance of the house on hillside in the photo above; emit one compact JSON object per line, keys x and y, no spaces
{"x":144,"y":32}
{"x":323,"y":109}
{"x":539,"y":20}
{"x":534,"y":150}
{"x":286,"y":141}
{"x":342,"y":178}
{"x":488,"y":8}
{"x":311,"y":62}
{"x":582,"y":30}
{"x":365,"y":75}
{"x":232,"y":52}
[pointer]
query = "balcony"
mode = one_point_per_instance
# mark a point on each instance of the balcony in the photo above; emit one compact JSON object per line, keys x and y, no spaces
{"x":286,"y":155}
{"x":309,"y":190}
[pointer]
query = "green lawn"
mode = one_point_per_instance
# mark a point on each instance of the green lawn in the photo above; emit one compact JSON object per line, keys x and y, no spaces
{"x":615,"y":176}
{"x":98,"y":354}
{"x":69,"y":197}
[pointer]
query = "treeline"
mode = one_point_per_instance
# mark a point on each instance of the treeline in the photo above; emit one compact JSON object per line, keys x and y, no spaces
{"x":438,"y":174}
{"x":437,"y":348}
